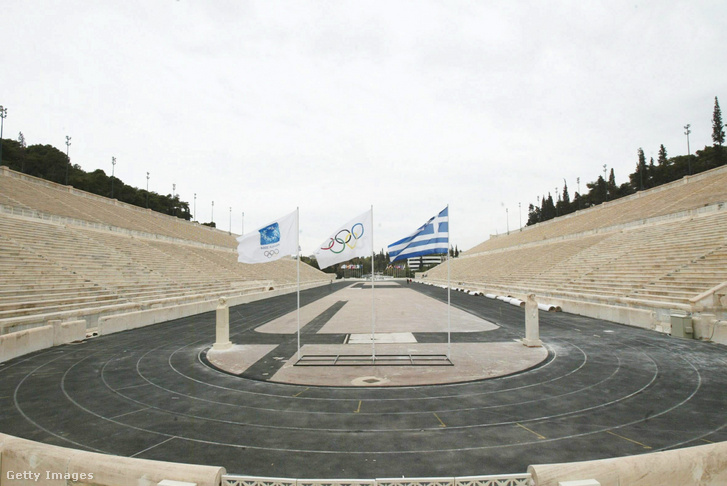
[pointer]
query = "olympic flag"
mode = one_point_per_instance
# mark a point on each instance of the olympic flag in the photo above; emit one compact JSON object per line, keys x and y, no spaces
{"x":271,"y":242}
{"x":353,"y":239}
{"x":431,"y":237}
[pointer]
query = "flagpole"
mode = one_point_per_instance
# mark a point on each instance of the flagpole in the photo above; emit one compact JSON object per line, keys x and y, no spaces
{"x":373,"y":299}
{"x":449,"y":291}
{"x":297,"y":312}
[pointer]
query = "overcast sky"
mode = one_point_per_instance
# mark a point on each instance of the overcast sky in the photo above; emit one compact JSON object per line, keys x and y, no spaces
{"x":336,"y":106}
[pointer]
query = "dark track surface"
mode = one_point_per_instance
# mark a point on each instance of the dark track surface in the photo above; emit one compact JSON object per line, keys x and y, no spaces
{"x":608,"y":390}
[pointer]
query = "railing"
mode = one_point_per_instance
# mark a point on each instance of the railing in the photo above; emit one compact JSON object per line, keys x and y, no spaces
{"x":493,"y":480}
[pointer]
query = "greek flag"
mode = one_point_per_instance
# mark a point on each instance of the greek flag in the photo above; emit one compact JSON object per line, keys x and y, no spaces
{"x":432,"y":237}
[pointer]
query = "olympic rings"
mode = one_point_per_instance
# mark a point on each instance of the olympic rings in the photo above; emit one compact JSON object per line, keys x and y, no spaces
{"x":343,"y":239}
{"x":271,"y":253}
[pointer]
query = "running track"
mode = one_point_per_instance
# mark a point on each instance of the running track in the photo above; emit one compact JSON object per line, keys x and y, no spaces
{"x":606,"y":390}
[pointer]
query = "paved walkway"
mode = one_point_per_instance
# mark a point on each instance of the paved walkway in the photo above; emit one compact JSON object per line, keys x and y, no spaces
{"x":401,"y":314}
{"x":604,"y":390}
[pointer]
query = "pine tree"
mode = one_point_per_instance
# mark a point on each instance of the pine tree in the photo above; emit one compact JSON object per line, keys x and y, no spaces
{"x":651,"y":173}
{"x":663,"y":159}
{"x":659,"y":173}
{"x":717,"y":126}
{"x":549,"y":212}
{"x":611,"y":187}
{"x":637,"y":178}
{"x":533,"y":215}
{"x":21,"y":155}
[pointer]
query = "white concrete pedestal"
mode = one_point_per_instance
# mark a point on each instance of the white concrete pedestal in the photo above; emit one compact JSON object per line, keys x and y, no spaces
{"x":532,"y":324}
{"x":222,"y":338}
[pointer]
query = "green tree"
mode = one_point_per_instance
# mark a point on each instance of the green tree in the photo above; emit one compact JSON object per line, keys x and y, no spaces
{"x":533,"y":215}
{"x":565,"y":200}
{"x":717,"y":126}
{"x":22,"y":146}
{"x":548,"y":208}
{"x":679,"y":166}
{"x":47,"y":162}
{"x":709,"y":158}
{"x":651,"y":173}
{"x":13,"y":154}
{"x":639,"y":176}
{"x":661,"y":170}
{"x":663,"y":160}
{"x":611,"y":187}
{"x":597,"y":192}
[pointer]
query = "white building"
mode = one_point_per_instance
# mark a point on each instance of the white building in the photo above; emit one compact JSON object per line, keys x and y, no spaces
{"x":426,"y":260}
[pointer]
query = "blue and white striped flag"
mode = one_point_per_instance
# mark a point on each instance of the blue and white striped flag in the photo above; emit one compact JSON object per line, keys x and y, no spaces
{"x":432,"y":237}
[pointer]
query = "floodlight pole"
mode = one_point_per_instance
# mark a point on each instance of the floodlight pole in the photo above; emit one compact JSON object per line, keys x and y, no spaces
{"x":3,"y":114}
{"x":297,"y":267}
{"x":449,"y":290}
{"x":229,"y":232}
{"x":147,"y":190}
{"x":687,"y":131}
{"x":520,"y":214}
{"x":68,"y":161}
{"x":113,"y":167}
{"x":373,"y":296}
{"x":578,"y":181}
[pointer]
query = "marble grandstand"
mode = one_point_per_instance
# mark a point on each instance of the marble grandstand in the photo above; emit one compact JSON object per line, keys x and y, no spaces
{"x":68,"y":254}
{"x":637,"y":260}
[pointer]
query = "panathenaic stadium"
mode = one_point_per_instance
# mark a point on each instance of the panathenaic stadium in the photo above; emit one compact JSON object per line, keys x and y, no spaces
{"x":586,"y":350}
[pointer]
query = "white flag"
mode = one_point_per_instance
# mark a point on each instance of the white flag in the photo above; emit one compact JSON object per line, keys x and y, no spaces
{"x":271,"y":242}
{"x":353,"y":239}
